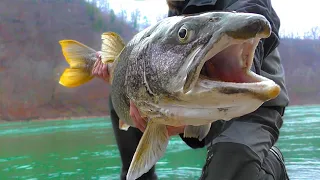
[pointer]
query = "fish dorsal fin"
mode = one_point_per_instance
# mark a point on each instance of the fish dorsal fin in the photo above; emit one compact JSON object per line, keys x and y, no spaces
{"x":112,"y":45}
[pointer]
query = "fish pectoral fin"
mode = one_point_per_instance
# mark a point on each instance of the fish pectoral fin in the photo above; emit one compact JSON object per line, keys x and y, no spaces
{"x":123,"y":125}
{"x":151,"y":148}
{"x":74,"y":77}
{"x":111,"y":47}
{"x":77,"y":55}
{"x":199,"y":132}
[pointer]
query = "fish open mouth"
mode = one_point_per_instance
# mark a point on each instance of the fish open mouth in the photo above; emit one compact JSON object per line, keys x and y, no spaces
{"x":225,"y":62}
{"x":229,"y":71}
{"x":232,"y":64}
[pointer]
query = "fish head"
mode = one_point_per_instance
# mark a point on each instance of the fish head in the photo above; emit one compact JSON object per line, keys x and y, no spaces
{"x":205,"y":61}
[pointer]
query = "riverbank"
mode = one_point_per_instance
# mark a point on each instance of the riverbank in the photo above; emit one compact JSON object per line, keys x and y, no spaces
{"x":104,"y":116}
{"x":57,"y":119}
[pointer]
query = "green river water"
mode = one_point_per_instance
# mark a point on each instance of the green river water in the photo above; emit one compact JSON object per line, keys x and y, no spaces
{"x":86,"y":149}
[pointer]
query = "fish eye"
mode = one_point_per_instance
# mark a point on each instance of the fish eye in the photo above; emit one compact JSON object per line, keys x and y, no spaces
{"x":184,"y":34}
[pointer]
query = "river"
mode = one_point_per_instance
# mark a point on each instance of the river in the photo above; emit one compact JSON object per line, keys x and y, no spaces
{"x":86,"y":149}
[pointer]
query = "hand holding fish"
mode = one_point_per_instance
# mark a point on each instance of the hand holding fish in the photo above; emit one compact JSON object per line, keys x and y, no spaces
{"x":100,"y":70}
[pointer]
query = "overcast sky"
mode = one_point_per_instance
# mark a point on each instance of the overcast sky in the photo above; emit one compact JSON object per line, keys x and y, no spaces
{"x":295,"y":16}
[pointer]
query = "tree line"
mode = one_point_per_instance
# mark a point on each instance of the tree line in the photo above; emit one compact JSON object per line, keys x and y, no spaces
{"x":31,"y":61}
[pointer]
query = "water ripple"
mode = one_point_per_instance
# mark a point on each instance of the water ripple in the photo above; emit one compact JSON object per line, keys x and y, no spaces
{"x":56,"y":126}
{"x":84,"y":149}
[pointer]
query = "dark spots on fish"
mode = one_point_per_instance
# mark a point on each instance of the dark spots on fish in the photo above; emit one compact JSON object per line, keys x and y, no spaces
{"x":214,"y":19}
{"x":233,"y":91}
{"x":172,"y":97}
{"x":149,"y":93}
{"x":206,"y":83}
{"x":223,"y":110}
{"x":148,"y":35}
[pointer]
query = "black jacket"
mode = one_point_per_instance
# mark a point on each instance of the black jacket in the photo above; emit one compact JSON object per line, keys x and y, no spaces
{"x":270,"y":69}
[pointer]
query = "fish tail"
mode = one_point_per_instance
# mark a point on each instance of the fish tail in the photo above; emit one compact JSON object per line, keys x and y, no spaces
{"x":81,"y":59}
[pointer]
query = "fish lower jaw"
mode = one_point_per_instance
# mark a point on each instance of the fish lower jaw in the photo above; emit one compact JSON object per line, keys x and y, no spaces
{"x":264,"y":90}
{"x":197,"y":115}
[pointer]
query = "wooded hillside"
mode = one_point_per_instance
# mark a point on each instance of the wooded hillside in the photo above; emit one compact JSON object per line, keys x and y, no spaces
{"x":31,"y":61}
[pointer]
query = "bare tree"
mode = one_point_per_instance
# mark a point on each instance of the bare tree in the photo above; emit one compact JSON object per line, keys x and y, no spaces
{"x":135,"y":18}
{"x":315,"y":32}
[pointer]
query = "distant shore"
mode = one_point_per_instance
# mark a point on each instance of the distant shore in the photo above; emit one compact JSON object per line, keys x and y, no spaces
{"x":56,"y":119}
{"x":87,"y":117}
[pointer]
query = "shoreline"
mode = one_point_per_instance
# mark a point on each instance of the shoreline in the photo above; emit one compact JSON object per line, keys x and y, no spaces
{"x":56,"y":119}
{"x":105,"y":116}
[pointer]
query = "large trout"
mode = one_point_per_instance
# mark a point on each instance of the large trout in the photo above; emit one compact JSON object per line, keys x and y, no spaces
{"x":161,"y":69}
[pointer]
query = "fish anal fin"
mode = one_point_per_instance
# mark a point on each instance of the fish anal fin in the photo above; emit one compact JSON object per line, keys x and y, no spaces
{"x":123,"y":125}
{"x":199,"y":132}
{"x":151,"y":148}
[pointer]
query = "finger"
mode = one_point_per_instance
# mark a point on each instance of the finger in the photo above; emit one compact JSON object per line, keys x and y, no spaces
{"x":99,"y":70}
{"x":135,"y":122}
{"x":137,"y":117}
{"x":95,"y":64}
{"x":141,"y":121}
{"x":172,"y":131}
{"x":138,"y":125}
{"x":94,"y":69}
{"x":105,"y":72}
{"x":98,"y":55}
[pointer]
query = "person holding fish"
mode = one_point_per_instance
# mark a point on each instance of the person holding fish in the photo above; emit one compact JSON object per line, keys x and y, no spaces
{"x":247,"y":71}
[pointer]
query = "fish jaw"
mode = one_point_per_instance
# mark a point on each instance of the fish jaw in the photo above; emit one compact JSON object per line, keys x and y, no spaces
{"x":209,"y":101}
